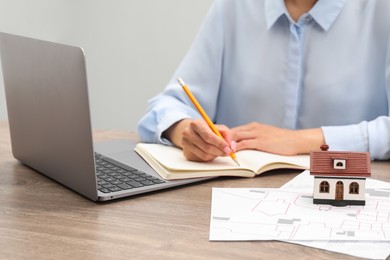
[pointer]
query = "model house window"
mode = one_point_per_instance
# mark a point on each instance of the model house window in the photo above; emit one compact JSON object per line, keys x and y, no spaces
{"x":324,"y":187}
{"x":354,"y":188}
{"x":339,"y":164}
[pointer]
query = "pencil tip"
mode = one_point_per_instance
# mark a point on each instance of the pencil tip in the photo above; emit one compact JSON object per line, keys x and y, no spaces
{"x":236,"y":161}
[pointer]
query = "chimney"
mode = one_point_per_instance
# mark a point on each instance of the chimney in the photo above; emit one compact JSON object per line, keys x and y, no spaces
{"x":324,"y":147}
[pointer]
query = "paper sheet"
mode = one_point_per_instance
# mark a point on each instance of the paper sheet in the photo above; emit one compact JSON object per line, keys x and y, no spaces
{"x":289,"y":214}
{"x":372,"y":250}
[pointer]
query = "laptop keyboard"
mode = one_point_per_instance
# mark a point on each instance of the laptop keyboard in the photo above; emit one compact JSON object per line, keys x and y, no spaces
{"x":112,"y":177}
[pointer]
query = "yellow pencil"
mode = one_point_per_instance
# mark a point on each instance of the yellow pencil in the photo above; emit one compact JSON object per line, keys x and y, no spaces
{"x":204,"y":115}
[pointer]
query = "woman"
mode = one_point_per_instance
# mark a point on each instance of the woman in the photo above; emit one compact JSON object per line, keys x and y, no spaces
{"x":282,"y":77}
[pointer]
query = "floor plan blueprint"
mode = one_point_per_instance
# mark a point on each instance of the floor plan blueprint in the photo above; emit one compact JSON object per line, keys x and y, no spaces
{"x":275,"y":214}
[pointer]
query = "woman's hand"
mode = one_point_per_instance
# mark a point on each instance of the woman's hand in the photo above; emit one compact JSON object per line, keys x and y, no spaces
{"x":198,"y":141}
{"x":276,"y":140}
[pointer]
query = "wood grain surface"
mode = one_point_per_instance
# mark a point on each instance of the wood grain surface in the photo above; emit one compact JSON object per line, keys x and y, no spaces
{"x":41,"y":219}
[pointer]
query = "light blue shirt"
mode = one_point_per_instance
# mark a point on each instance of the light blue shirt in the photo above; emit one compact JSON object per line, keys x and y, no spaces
{"x":251,"y":62}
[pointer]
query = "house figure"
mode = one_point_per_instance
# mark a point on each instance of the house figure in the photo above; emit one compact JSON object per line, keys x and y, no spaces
{"x":339,"y":177}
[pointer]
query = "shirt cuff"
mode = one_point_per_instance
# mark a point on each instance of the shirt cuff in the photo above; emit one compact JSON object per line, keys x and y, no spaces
{"x":347,"y":138}
{"x":168,"y":122}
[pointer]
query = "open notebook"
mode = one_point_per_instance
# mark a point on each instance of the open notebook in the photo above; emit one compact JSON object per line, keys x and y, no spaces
{"x":170,"y":163}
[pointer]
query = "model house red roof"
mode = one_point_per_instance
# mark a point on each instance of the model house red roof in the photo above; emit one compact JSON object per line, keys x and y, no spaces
{"x":353,"y":164}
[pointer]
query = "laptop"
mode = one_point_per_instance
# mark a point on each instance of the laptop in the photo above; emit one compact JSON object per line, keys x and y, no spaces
{"x":50,"y":125}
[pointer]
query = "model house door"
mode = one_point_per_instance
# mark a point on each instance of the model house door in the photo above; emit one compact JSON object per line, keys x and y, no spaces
{"x":339,"y":190}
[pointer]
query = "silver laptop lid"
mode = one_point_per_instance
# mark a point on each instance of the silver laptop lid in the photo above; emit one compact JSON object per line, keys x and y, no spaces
{"x":48,"y":110}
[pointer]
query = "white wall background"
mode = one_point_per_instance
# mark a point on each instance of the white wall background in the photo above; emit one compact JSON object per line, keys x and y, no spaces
{"x":132,"y":46}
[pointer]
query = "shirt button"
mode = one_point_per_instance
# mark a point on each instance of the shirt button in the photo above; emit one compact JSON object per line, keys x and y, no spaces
{"x":308,"y":19}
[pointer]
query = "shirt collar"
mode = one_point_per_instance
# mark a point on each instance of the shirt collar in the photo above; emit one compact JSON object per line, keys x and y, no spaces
{"x":324,"y":12}
{"x":274,"y":9}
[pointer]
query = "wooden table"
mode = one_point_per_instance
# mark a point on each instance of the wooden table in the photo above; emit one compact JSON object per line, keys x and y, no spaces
{"x":41,"y":219}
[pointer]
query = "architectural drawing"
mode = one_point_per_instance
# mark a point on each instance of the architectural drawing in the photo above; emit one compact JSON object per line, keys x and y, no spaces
{"x":271,"y":214}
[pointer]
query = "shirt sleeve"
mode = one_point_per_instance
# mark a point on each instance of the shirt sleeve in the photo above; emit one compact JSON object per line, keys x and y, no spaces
{"x":372,"y":136}
{"x":200,"y":69}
